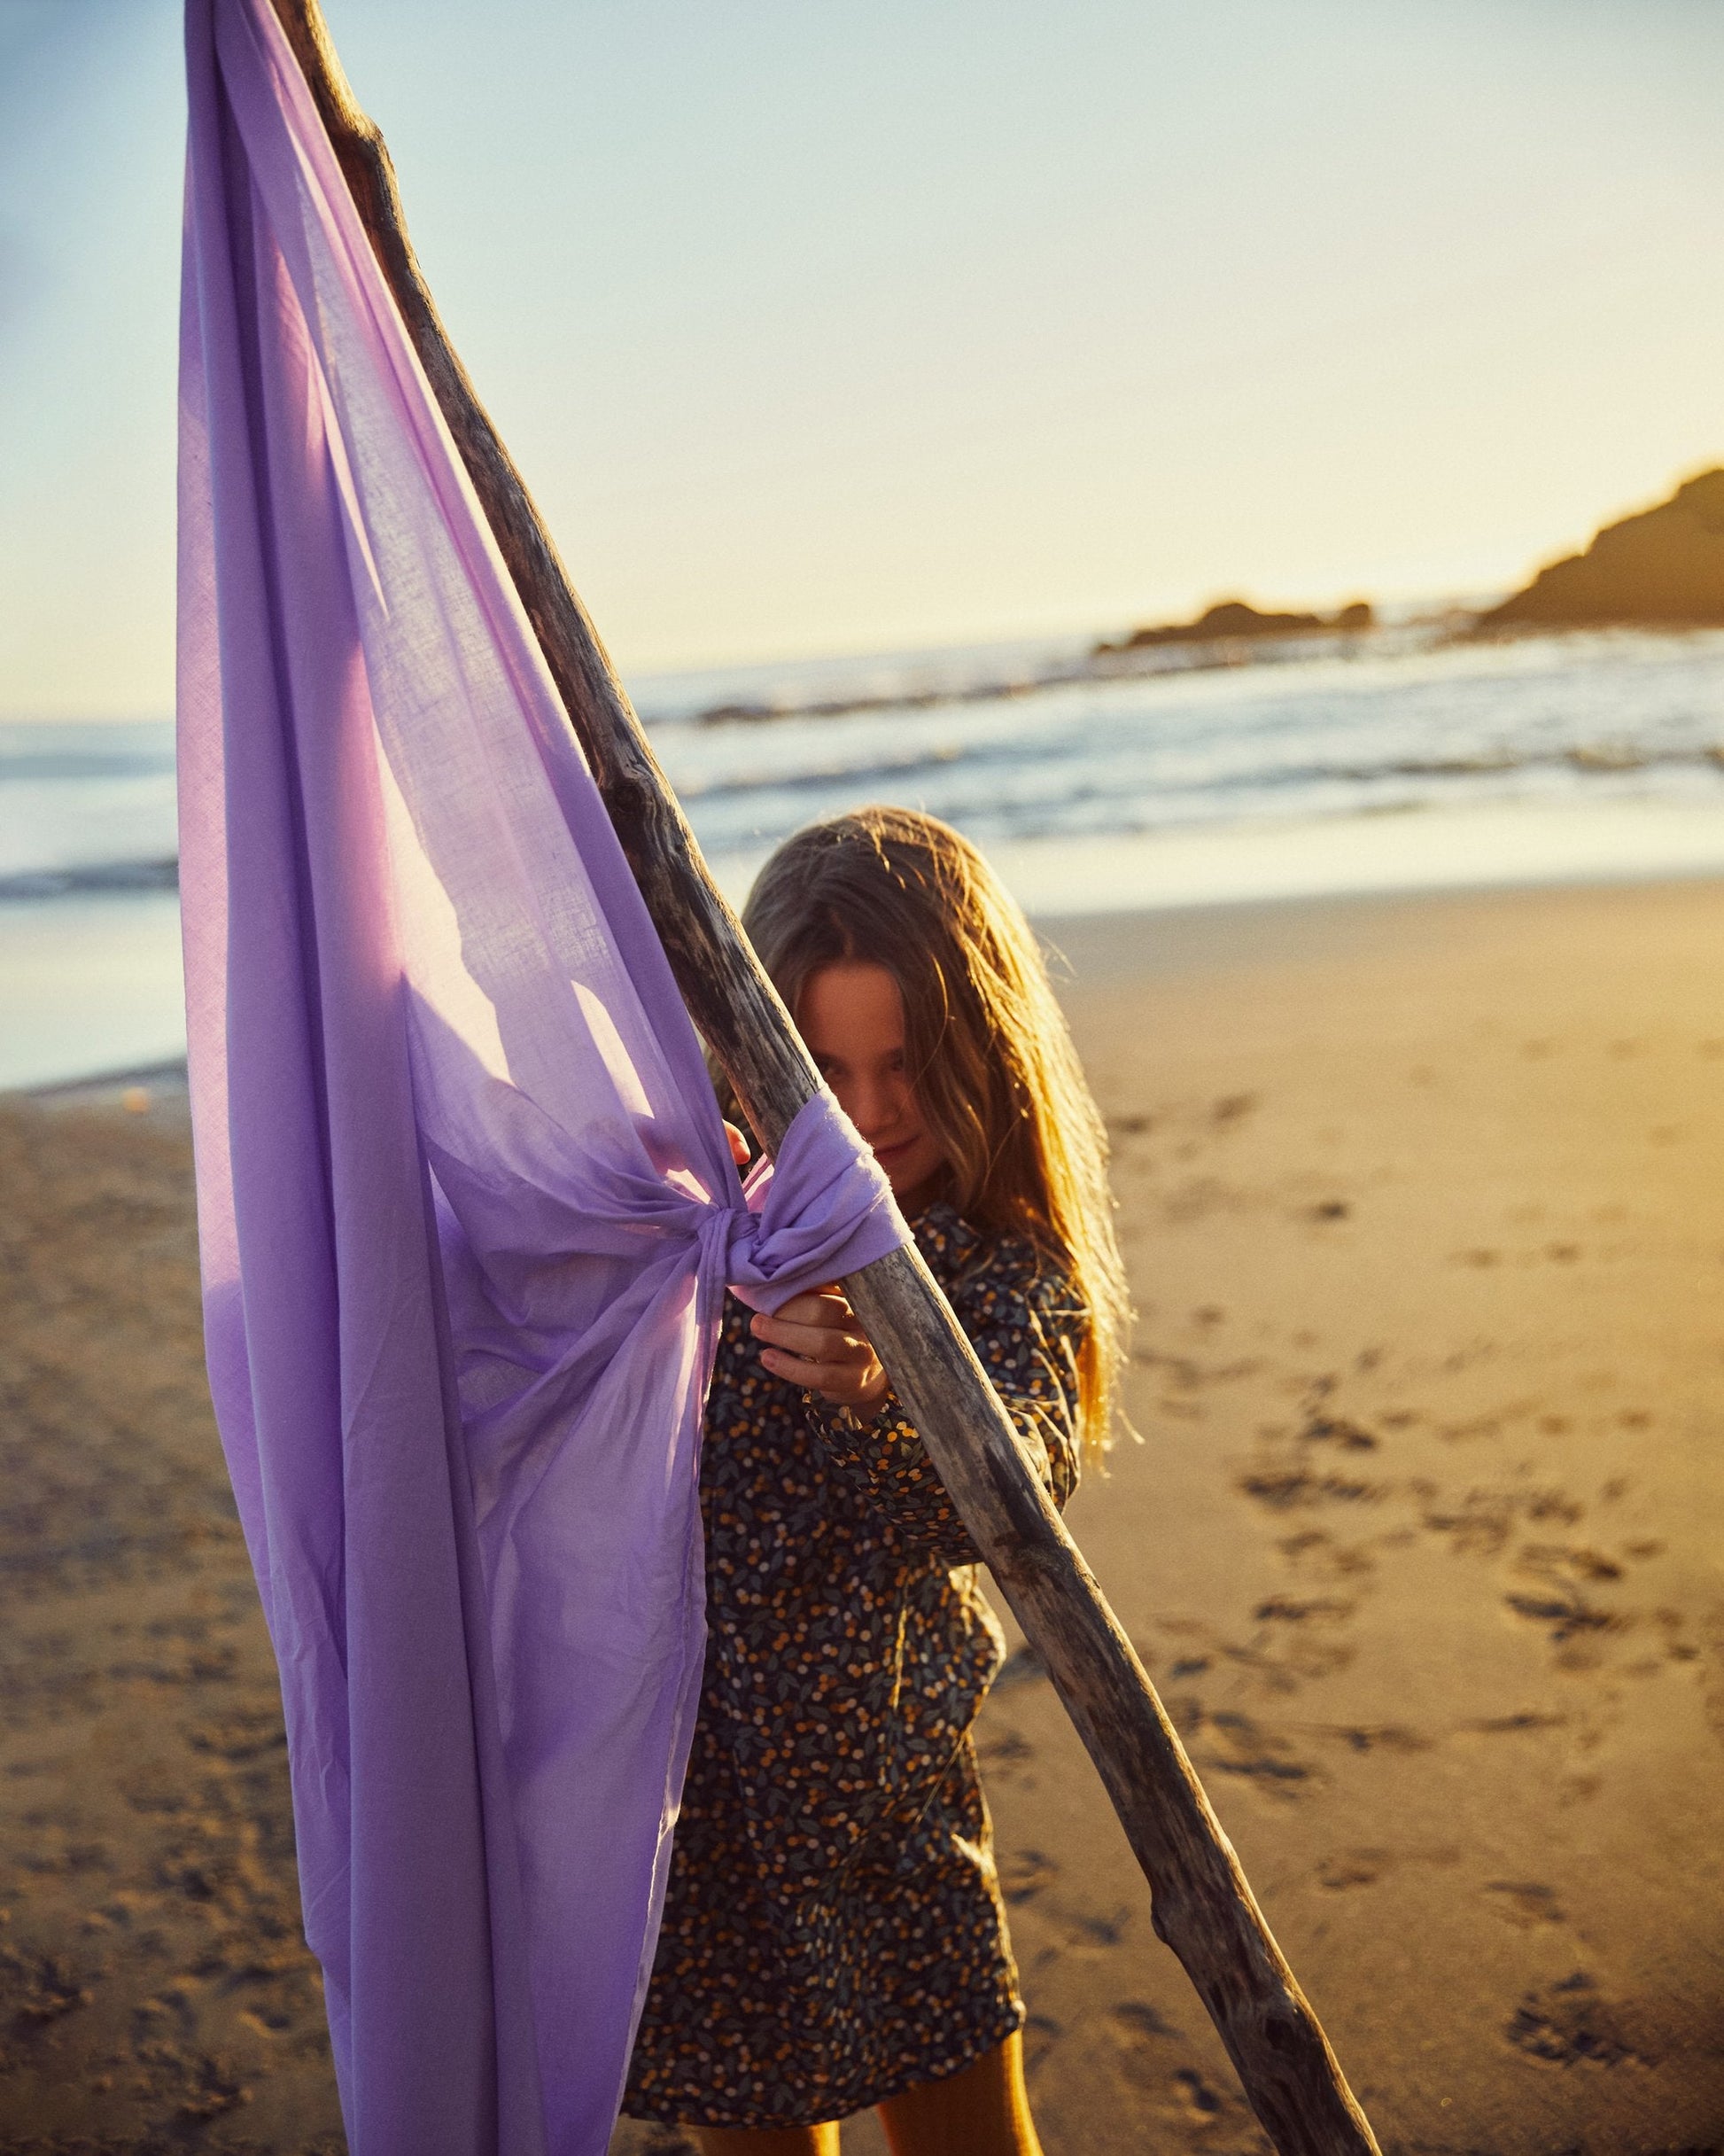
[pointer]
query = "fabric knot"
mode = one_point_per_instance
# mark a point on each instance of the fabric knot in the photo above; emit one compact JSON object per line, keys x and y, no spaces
{"x":822,"y":1210}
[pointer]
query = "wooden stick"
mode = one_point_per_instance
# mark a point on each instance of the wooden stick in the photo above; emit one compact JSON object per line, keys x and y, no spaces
{"x":1202,"y":1905}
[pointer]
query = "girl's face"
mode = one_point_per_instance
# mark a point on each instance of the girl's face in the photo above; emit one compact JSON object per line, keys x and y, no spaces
{"x":851,"y":1017}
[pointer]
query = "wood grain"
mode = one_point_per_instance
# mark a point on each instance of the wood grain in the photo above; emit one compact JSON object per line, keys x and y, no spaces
{"x":1202,"y":1905}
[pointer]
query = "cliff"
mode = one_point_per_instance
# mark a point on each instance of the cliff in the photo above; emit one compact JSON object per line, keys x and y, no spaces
{"x":1663,"y":567}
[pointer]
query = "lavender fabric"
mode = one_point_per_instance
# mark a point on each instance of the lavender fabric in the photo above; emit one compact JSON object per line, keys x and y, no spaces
{"x":466,"y":1203}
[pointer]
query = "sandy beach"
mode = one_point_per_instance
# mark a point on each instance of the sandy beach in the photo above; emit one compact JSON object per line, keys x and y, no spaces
{"x":1423,"y":1203}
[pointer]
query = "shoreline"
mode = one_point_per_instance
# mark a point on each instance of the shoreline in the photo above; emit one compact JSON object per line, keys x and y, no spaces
{"x":1152,"y":936}
{"x":93,"y":987}
{"x":168,"y":1079}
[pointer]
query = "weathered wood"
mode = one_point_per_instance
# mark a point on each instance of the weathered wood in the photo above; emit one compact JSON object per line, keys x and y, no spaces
{"x":1202,"y":1904}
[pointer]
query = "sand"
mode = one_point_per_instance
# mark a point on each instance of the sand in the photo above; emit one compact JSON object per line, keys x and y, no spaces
{"x":157,"y":1994}
{"x":1425,"y":1207}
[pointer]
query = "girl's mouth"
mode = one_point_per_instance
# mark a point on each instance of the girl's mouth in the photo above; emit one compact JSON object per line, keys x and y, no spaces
{"x":887,"y":1154}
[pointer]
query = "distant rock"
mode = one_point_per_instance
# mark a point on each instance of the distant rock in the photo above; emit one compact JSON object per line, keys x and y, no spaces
{"x":1664,"y":568}
{"x":739,"y":714}
{"x":1230,"y":619}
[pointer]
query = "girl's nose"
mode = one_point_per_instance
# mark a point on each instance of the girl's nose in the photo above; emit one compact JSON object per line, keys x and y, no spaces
{"x":874,"y":1106}
{"x":863,"y":1108}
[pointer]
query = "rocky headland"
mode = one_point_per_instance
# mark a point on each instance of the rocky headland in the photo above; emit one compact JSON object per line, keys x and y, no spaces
{"x":1663,"y":568}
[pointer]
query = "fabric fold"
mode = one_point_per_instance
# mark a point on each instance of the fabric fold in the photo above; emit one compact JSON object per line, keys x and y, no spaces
{"x":466,"y":1209}
{"x":822,"y":1210}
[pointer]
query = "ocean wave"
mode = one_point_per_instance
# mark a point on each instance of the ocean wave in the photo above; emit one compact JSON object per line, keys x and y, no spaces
{"x":89,"y":877}
{"x":996,"y":790}
{"x":1100,"y":665}
{"x":966,"y":767}
{"x":1020,"y":741}
{"x":34,"y":765}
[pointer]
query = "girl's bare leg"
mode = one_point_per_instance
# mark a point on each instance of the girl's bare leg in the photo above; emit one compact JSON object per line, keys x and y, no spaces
{"x":768,"y":2140}
{"x":985,"y":2111}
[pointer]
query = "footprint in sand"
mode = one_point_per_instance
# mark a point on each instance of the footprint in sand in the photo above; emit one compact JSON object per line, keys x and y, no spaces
{"x":1523,"y":1906}
{"x":1288,"y":1650}
{"x":1196,"y":2098}
{"x":1375,"y":1737}
{"x":1137,"y":2019}
{"x":1184,"y":2095}
{"x":199,"y":2087}
{"x":1714,"y":1691}
{"x":1525,"y":1723}
{"x":42,"y":1988}
{"x":1024,"y":1872}
{"x":1560,"y":1598}
{"x":1553,"y":1560}
{"x":1288,"y":1610}
{"x":247,"y":1733}
{"x":1361,"y":1868}
{"x":1337,"y":1430}
{"x":1021,"y":1668}
{"x":1295,"y":1488}
{"x":1481,"y":1522}
{"x":1087,"y":1932}
{"x":1004,"y":1753}
{"x":1234,"y":1744}
{"x":1184,"y":1372}
{"x":1569,"y":2024}
{"x":1349,"y":1868}
{"x":1314,"y":1552}
{"x":1041,"y":2033}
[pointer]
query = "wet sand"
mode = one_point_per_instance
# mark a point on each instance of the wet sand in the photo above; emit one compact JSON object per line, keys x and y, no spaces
{"x":1424,"y":1207}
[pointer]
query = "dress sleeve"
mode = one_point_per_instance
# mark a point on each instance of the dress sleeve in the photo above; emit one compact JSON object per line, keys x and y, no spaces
{"x":1021,"y":1318}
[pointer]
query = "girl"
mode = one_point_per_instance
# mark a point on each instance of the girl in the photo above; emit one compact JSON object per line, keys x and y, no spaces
{"x":833,"y":1936}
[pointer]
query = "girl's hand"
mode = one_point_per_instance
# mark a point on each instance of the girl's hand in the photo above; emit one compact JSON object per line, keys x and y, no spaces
{"x":739,"y":1145}
{"x":816,"y":1343}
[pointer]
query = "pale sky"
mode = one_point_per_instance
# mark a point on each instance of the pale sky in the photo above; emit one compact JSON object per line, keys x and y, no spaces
{"x":820,"y":327}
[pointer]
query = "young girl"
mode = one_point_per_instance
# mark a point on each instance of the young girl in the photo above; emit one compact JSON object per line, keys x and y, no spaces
{"x":833,"y":1936}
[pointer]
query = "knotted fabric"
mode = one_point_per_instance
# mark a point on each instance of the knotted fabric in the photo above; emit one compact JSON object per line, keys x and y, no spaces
{"x":466,"y":1203}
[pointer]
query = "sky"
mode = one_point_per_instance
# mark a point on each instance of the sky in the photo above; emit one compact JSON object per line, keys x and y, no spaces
{"x":825,"y":325}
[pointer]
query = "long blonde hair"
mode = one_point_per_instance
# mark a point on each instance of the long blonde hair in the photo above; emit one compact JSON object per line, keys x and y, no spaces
{"x":990,"y":1055}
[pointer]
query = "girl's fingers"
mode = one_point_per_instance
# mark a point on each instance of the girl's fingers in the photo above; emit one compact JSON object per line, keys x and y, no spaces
{"x":846,"y":1384}
{"x":820,"y":1307}
{"x":812,"y":1376}
{"x":739,"y":1145}
{"x":813,"y":1342}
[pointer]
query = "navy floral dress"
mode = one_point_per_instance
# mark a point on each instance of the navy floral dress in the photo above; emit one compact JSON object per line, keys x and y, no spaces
{"x":833,"y":1929}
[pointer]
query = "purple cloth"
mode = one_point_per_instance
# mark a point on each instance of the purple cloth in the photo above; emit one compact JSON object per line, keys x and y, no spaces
{"x":466,"y":1204}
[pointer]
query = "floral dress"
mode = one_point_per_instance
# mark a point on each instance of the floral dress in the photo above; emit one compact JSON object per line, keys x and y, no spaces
{"x":832,"y":1930}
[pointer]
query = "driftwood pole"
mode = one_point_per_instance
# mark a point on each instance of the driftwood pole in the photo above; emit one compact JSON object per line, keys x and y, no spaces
{"x":1202,"y":1904}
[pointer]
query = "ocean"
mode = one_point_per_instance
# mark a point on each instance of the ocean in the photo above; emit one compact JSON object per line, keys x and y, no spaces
{"x":1401,"y":758}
